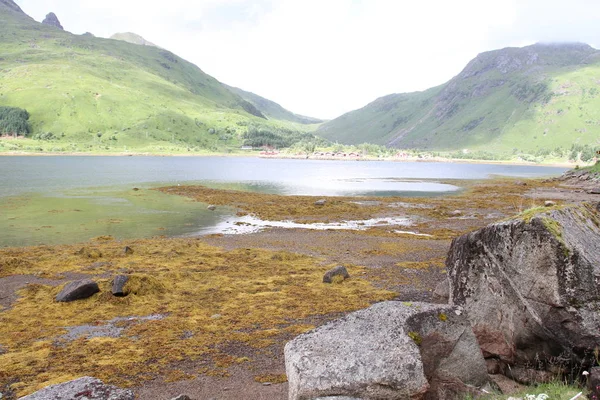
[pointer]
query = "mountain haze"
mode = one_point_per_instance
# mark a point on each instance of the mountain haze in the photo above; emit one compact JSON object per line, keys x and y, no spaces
{"x":271,"y":109}
{"x":535,"y":97}
{"x":131,"y":37}
{"x":90,"y":93}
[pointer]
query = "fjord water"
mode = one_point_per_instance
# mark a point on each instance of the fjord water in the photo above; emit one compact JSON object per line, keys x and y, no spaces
{"x":66,"y":199}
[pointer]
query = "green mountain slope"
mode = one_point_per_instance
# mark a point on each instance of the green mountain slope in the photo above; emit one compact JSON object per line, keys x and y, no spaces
{"x":87,"y":93}
{"x":131,"y":37}
{"x":271,"y":109}
{"x":538,"y":97}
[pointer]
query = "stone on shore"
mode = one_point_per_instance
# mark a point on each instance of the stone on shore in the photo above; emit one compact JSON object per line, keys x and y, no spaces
{"x":340,"y":271}
{"x":391,"y":350}
{"x":79,"y":389}
{"x":531,"y":286}
{"x":78,"y":290}
{"x":118,"y":286}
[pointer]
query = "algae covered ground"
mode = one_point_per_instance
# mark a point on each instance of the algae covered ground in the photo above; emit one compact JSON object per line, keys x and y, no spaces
{"x":209,"y":307}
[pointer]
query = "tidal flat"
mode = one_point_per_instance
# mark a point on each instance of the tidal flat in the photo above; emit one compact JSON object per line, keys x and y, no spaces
{"x":210,"y":315}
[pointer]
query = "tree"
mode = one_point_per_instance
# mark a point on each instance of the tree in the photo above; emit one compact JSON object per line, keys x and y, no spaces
{"x":14,"y":121}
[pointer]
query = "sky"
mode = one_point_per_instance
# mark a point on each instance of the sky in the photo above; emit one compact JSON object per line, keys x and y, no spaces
{"x":323,"y":58}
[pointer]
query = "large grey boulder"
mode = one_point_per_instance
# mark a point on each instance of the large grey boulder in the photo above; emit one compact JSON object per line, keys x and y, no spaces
{"x":391,"y":350}
{"x":82,"y":388}
{"x":531,"y":285}
{"x":78,"y":290}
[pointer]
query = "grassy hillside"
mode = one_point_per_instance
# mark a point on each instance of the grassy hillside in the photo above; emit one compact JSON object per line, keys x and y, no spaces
{"x":532,"y":99}
{"x":93,"y":94}
{"x":271,"y":109}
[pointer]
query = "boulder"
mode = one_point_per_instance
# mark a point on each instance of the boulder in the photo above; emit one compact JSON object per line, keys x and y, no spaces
{"x":321,"y":202}
{"x":391,"y":350}
{"x":593,"y":383}
{"x":531,"y":286}
{"x":78,"y":290}
{"x":118,"y":286}
{"x":52,"y":20}
{"x":337,"y":271}
{"x":86,"y":387}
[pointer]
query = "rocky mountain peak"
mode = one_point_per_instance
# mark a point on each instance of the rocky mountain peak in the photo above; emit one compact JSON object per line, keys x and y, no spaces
{"x":11,"y":5}
{"x":52,"y":20}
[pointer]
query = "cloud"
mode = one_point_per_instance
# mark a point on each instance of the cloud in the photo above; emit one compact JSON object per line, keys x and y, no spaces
{"x":324,"y":58}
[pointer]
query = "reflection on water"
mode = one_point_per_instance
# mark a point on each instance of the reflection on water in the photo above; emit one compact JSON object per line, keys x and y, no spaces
{"x":61,"y":199}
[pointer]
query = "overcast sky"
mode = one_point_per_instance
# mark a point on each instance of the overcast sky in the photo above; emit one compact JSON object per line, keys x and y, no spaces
{"x":323,"y":58}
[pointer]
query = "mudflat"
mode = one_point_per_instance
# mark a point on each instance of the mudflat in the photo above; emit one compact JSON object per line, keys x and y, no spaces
{"x":209,"y":316}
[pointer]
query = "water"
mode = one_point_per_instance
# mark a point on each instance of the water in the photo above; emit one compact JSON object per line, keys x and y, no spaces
{"x":63,"y":199}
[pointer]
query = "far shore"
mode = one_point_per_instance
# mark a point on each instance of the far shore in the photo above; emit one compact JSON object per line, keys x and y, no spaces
{"x":564,"y":164}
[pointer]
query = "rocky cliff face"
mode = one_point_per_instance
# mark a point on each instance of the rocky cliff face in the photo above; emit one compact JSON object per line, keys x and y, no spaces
{"x":52,"y":20}
{"x":531,"y":286}
{"x":11,"y":5}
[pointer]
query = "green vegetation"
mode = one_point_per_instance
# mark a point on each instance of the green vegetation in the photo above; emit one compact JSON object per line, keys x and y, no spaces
{"x":87,"y":94}
{"x":271,"y":109}
{"x":532,"y":103}
{"x":13,"y":121}
{"x":553,"y":391}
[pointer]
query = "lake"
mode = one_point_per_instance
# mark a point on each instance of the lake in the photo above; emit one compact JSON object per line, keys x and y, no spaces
{"x":65,"y":199}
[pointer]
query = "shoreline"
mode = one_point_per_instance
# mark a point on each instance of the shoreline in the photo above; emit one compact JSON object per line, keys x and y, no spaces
{"x":298,"y":157}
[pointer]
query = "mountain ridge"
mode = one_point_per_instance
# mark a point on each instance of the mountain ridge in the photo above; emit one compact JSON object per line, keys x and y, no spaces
{"x":492,"y":101}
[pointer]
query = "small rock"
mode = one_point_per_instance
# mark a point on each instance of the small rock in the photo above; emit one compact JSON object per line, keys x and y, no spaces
{"x":182,"y":397}
{"x":520,"y":183}
{"x":128,"y":250}
{"x":78,"y":290}
{"x":530,"y":376}
{"x":118,"y":286}
{"x":267,"y":384}
{"x":86,"y":387}
{"x":215,"y":316}
{"x":320,"y":202}
{"x":594,"y":191}
{"x":3,"y":350}
{"x":549,"y":203}
{"x":441,"y":294}
{"x":506,"y":385}
{"x":211,"y":207}
{"x":136,"y":189}
{"x":455,"y":213}
{"x":337,"y":271}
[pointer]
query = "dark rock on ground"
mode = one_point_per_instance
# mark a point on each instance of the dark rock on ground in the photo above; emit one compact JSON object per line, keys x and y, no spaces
{"x":86,"y":387}
{"x":337,"y":271}
{"x":594,"y":191}
{"x":530,"y":376}
{"x":593,"y":383}
{"x":78,"y":290}
{"x":531,"y":286}
{"x":52,"y":20}
{"x":118,"y":285}
{"x":128,"y":250}
{"x":391,"y":350}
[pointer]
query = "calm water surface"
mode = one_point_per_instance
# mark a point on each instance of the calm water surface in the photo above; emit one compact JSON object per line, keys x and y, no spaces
{"x":58,"y":199}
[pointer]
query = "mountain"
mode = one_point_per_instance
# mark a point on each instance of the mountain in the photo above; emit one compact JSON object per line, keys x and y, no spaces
{"x":85,"y":93}
{"x":131,"y":37}
{"x":535,"y":98}
{"x":271,"y":109}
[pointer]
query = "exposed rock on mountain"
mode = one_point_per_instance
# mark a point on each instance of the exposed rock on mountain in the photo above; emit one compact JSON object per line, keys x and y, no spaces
{"x":531,"y":286}
{"x":11,"y":5}
{"x":52,"y":20}
{"x":86,"y":387}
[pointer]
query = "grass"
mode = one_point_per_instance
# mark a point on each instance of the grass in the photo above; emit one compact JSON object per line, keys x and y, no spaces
{"x":102,"y":95}
{"x":519,"y":111}
{"x":208,"y":298}
{"x":554,"y":390}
